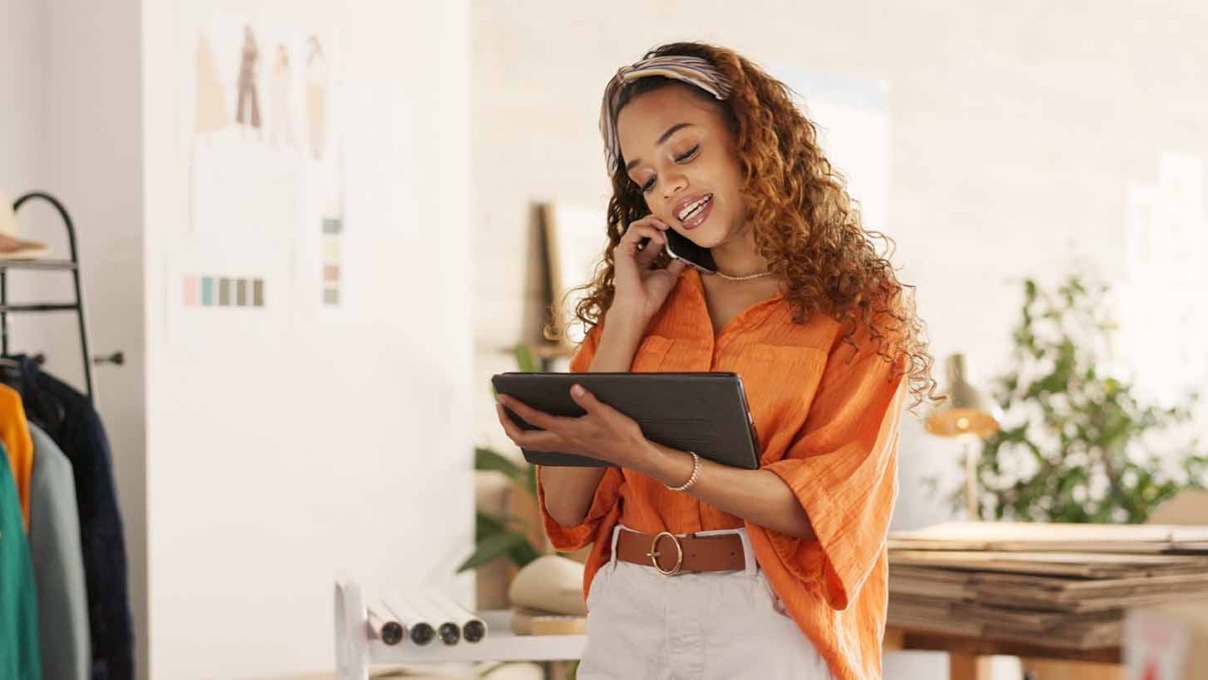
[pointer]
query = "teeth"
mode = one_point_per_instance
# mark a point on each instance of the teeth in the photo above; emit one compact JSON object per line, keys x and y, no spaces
{"x":691,"y":210}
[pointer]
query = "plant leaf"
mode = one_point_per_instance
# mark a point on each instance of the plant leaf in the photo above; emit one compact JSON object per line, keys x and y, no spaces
{"x":486,"y":525}
{"x":488,"y":460}
{"x":1077,"y":443}
{"x":492,"y":547}
{"x":523,"y":553}
{"x":530,"y":481}
{"x":525,"y":363}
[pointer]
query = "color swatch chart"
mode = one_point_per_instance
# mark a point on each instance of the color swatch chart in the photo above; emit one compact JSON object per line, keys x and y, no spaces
{"x":333,"y":229}
{"x":223,"y":291}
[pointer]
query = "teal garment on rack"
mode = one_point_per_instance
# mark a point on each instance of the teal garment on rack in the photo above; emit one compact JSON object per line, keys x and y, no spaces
{"x":20,"y":658}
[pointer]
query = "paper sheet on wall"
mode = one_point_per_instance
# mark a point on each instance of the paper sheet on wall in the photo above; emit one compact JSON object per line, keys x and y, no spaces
{"x":362,"y":208}
{"x":222,"y":297}
{"x":259,"y":148}
{"x":258,"y":117}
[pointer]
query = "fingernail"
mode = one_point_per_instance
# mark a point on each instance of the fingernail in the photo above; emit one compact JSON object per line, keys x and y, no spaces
{"x":577,"y":390}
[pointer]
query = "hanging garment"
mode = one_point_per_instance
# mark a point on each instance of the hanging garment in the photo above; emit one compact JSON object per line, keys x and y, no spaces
{"x":70,"y":420}
{"x":19,"y":656}
{"x":54,"y":543}
{"x":14,"y":430}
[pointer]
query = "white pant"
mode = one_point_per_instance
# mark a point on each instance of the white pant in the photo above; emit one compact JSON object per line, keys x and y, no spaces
{"x":642,"y":625}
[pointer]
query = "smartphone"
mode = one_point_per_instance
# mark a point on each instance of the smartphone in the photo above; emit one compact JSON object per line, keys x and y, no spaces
{"x":681,"y":248}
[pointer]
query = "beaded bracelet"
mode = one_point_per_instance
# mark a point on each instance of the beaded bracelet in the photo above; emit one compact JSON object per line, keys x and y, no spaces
{"x":693,"y":478}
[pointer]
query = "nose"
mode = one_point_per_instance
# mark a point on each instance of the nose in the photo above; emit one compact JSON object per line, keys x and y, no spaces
{"x":674,"y":183}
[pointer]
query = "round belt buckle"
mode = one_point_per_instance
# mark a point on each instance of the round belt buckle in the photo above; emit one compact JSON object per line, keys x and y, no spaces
{"x":654,"y":553}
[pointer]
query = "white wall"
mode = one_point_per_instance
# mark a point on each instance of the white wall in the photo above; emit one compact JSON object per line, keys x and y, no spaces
{"x":23,"y":161}
{"x":22,"y":99}
{"x":276,"y":461}
{"x":94,"y":147}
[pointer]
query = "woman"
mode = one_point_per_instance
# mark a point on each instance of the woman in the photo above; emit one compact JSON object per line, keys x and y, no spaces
{"x":781,"y":571}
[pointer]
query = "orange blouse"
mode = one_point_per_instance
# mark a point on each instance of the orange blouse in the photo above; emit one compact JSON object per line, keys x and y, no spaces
{"x":14,"y":432}
{"x":827,"y":418}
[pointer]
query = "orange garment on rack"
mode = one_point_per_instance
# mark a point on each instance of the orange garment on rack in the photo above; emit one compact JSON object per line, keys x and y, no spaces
{"x":827,"y":418}
{"x":14,"y":430}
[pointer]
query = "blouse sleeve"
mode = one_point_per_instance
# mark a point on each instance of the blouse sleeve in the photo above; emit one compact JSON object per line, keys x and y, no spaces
{"x":568,"y":539}
{"x":842,"y":467}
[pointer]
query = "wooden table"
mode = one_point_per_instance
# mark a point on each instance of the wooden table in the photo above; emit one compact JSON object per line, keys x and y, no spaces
{"x":969,"y":657}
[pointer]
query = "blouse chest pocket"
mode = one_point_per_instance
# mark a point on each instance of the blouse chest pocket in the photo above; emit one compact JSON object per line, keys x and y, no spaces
{"x":650,"y":354}
{"x":780,"y":384}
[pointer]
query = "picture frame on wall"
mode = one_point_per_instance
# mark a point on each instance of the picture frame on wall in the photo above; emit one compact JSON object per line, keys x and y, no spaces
{"x":575,"y":238}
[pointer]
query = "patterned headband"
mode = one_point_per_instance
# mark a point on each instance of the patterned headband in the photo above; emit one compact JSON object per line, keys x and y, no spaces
{"x":692,"y":70}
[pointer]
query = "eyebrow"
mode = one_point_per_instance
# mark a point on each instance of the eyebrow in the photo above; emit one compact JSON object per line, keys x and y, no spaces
{"x":670,"y":131}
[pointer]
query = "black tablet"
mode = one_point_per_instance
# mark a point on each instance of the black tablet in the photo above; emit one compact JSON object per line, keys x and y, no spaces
{"x":702,"y":412}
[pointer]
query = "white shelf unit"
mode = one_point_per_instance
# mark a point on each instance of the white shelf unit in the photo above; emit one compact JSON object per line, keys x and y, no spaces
{"x":357,"y":649}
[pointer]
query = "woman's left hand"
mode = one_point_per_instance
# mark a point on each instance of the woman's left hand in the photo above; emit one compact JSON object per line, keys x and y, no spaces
{"x":602,"y":433}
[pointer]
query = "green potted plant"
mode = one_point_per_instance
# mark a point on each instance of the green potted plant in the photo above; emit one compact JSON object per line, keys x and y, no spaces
{"x":1077,"y":442}
{"x":504,"y":535}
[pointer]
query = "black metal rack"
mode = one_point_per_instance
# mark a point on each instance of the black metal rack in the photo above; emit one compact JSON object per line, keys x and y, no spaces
{"x":72,"y":265}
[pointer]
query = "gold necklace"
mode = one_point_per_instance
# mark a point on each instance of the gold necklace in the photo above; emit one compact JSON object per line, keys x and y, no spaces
{"x":748,"y":277}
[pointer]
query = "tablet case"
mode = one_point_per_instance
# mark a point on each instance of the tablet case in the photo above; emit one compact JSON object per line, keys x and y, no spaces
{"x":702,"y":412}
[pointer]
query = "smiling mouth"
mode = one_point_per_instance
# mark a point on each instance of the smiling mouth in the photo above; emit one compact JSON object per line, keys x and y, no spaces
{"x":693,"y":209}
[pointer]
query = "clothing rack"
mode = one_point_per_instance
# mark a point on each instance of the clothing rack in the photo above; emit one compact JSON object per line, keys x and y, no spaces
{"x":77,"y":305}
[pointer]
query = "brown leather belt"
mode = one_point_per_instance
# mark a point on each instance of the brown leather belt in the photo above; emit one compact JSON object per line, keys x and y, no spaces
{"x":671,"y":554}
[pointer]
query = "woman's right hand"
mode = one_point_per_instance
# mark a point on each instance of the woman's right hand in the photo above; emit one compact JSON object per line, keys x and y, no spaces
{"x":639,"y":289}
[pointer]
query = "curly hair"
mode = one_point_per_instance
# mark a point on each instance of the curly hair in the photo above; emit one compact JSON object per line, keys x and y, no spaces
{"x":803,"y":220}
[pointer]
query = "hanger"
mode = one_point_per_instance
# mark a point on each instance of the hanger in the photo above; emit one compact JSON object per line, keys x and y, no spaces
{"x":9,"y":362}
{"x":10,"y":370}
{"x":10,"y":373}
